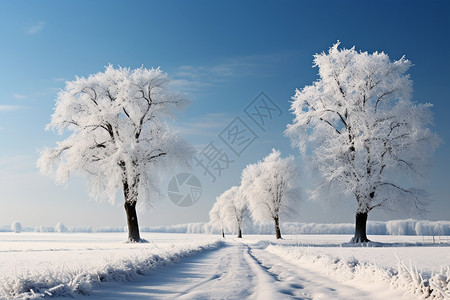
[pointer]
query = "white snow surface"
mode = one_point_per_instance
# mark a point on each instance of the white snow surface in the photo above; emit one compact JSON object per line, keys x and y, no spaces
{"x":193,"y":266}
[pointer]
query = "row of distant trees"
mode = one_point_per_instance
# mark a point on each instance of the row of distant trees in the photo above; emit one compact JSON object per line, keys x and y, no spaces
{"x":356,"y":127}
{"x":16,"y":227}
{"x":268,"y":192}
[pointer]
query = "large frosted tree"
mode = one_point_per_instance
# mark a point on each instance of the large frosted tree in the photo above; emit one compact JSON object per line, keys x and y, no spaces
{"x":271,"y":188}
{"x":117,"y":136}
{"x":356,"y":125}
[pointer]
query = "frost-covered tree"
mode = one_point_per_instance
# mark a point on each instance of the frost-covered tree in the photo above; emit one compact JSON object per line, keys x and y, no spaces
{"x":118,"y":136}
{"x":362,"y":132}
{"x":271,"y":188}
{"x":16,"y":227}
{"x":217,"y":218}
{"x":234,"y":209}
{"x":60,"y":227}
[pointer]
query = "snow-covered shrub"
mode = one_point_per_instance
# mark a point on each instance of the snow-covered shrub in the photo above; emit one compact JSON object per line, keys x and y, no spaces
{"x":440,"y":284}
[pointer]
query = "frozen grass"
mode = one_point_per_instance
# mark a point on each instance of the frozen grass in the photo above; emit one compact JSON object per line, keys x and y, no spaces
{"x":54,"y":268}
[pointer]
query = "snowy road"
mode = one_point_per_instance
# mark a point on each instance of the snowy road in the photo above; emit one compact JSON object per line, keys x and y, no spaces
{"x":238,"y":270}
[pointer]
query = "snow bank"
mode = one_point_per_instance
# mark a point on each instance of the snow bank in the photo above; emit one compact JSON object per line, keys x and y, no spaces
{"x":394,"y":227}
{"x":405,"y":277}
{"x":64,"y":281}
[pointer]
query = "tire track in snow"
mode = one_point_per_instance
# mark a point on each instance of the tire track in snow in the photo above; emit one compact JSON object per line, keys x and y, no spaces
{"x":306,"y":283}
{"x":231,"y":279}
{"x":270,"y":285}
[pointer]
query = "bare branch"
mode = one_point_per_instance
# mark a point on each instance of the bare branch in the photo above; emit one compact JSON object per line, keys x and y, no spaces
{"x":380,"y":98}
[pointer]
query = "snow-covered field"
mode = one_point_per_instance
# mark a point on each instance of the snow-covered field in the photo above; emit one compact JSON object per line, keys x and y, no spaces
{"x":37,"y":264}
{"x":201,"y":266}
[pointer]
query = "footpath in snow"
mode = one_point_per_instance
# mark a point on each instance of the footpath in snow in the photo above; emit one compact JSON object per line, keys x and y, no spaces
{"x":237,"y":270}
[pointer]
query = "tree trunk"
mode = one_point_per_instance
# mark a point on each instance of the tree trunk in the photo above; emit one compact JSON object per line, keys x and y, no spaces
{"x":277,"y":228}
{"x":133,"y":227}
{"x":239,"y":233}
{"x":360,"y":229}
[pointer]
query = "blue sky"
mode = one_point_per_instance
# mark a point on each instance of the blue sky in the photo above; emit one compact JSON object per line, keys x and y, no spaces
{"x":222,"y":54}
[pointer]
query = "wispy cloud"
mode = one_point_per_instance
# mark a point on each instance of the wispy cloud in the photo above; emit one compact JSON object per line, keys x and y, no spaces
{"x":48,"y":91}
{"x":9,"y":107}
{"x":16,"y":164}
{"x":14,"y":159}
{"x":19,"y":96}
{"x":189,"y":85}
{"x":36,"y":28}
{"x":208,"y":125}
{"x":190,"y":78}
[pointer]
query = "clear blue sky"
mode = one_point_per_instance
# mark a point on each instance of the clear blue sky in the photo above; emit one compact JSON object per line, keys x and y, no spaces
{"x":222,"y":54}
